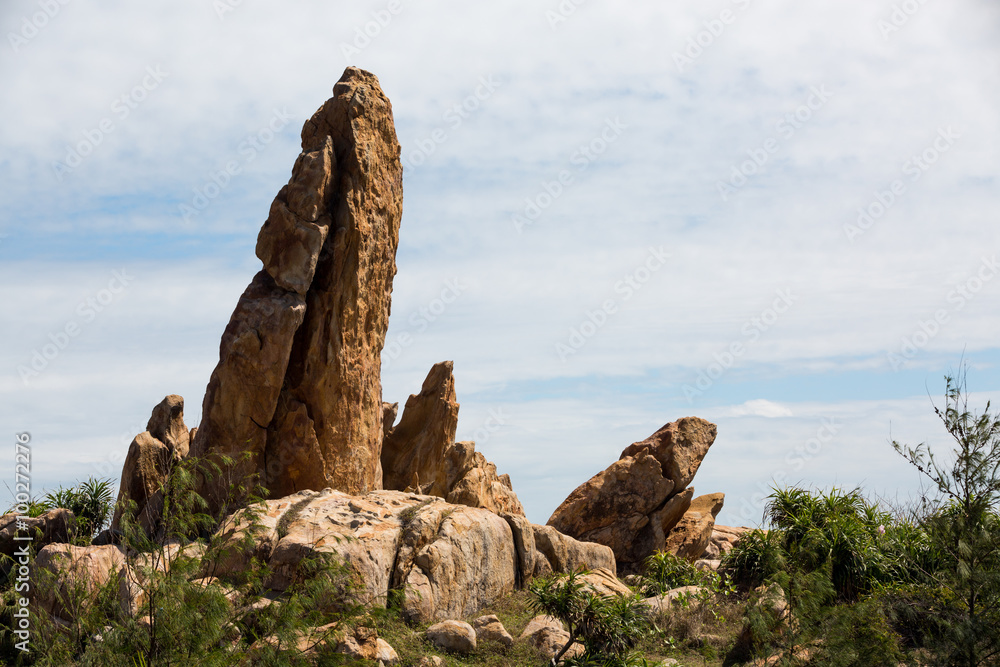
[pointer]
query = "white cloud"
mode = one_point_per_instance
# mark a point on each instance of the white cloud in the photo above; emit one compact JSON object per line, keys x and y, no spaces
{"x":656,"y":185}
{"x":760,"y":407}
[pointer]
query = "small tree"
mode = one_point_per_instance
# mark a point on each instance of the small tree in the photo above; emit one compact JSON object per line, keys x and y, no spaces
{"x":962,"y":524}
{"x":608,"y":626}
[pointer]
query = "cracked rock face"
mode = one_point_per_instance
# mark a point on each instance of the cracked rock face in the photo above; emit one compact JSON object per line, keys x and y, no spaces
{"x":448,"y":560}
{"x":637,"y":505}
{"x":298,"y":388}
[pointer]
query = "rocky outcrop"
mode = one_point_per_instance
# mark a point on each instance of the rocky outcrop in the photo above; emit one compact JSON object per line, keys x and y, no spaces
{"x":448,"y":560}
{"x":453,"y":636}
{"x":634,"y":504}
{"x":548,"y":636}
{"x":420,"y":454}
{"x":56,"y":525}
{"x":66,"y":579}
{"x":723,"y":539}
{"x":297,"y":388}
{"x":150,"y":457}
{"x":489,"y":628}
{"x":693,"y":532}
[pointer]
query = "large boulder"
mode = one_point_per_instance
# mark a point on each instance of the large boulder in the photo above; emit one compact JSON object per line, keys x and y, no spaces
{"x":420,"y":454}
{"x":449,"y":561}
{"x":297,"y":394}
{"x":635,"y":503}
{"x":66,"y":579}
{"x":56,"y":525}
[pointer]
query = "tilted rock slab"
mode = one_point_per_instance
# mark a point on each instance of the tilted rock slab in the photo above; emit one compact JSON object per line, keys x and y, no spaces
{"x":420,"y":454}
{"x":634,"y":504}
{"x":298,"y":382}
{"x":449,"y":560}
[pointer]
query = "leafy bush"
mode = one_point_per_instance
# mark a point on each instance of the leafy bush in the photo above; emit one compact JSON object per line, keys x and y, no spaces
{"x":664,"y":571}
{"x":757,"y":556}
{"x":608,"y":626}
{"x":91,"y":502}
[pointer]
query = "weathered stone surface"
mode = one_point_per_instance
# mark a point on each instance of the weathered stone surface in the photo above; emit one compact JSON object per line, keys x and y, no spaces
{"x":449,"y":560}
{"x":420,"y":454}
{"x":548,"y":636}
{"x":490,"y":628}
{"x":565,"y":554}
{"x":604,"y":582}
{"x":615,"y":504}
{"x":243,"y":391}
{"x":146,"y":466}
{"x":634,"y":504}
{"x":693,"y":532}
{"x":298,"y":381}
{"x":679,"y":446}
{"x":454,"y":561}
{"x":413,"y":453}
{"x":454,"y":636}
{"x":55,"y":525}
{"x":365,"y":644}
{"x":66,"y":578}
{"x":430,"y":661}
{"x":166,"y":424}
{"x":389,"y":411}
{"x":724,"y":538}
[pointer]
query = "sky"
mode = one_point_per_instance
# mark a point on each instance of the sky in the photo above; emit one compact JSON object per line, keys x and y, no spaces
{"x":778,"y":216}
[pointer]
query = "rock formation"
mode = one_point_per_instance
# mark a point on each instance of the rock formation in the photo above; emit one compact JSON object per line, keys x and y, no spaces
{"x":420,"y":453}
{"x":150,"y":457}
{"x":634,"y":504}
{"x":298,"y":385}
{"x":448,"y":560}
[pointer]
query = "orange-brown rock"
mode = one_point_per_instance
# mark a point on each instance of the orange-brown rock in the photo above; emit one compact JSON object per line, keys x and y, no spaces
{"x":693,"y":532}
{"x":635,"y":503}
{"x":413,"y":454}
{"x":298,"y":383}
{"x":150,"y":457}
{"x":680,"y":447}
{"x":420,"y":454}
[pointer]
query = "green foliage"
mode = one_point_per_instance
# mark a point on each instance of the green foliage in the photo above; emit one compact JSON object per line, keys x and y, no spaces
{"x":664,"y":571}
{"x":757,"y":556}
{"x":608,"y":626}
{"x":91,"y":502}
{"x":962,"y":528}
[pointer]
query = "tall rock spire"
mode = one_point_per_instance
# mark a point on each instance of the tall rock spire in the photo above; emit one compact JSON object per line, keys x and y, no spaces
{"x":298,"y":382}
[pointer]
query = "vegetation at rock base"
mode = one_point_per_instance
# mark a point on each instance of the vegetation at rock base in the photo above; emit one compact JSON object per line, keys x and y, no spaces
{"x":835,"y":579}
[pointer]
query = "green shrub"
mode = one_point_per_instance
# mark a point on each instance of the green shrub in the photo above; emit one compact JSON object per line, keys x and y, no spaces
{"x":608,"y":626}
{"x":91,"y":502}
{"x":757,"y":556}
